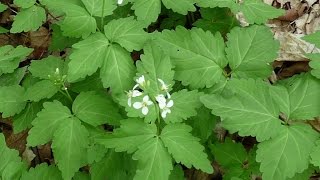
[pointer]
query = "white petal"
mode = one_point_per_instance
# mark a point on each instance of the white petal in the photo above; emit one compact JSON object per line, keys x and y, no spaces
{"x":170,"y":104}
{"x":135,"y":86}
{"x":149,"y":103}
{"x":162,"y":105}
{"x":140,"y":80}
{"x":145,"y":110}
{"x":161,"y":81}
{"x":164,"y":114}
{"x":145,"y":99}
{"x":136,"y":93}
{"x":120,"y":1}
{"x":160,"y":98}
{"x":129,"y":102}
{"x":137,"y":105}
{"x":168,"y":95}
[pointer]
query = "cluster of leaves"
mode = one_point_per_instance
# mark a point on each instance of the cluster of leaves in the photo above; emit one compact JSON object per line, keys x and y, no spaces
{"x":215,"y":66}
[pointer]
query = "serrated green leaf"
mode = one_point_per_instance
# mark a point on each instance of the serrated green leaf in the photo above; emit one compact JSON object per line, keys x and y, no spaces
{"x":3,"y":30}
{"x":127,"y":32}
{"x":249,"y":50}
{"x":46,"y":67}
{"x":198,"y":56}
{"x":154,"y":161}
{"x":184,"y":147}
{"x":313,"y":38}
{"x":78,"y":22}
{"x":13,"y":78}
{"x":181,"y":7}
{"x":14,"y":170}
{"x":250,"y":111}
{"x":58,"y":41}
{"x":24,"y":3}
{"x":314,"y":155}
{"x":95,"y":7}
{"x":258,"y":12}
{"x":147,"y":10}
{"x":131,"y":134}
{"x":3,"y":7}
{"x":306,"y":174}
{"x":95,"y":109}
{"x":23,"y":120}
{"x":287,"y":153}
{"x":184,"y":106}
{"x":95,"y":152}
{"x":81,"y":176}
{"x":28,"y":19}
{"x":219,"y":3}
{"x":314,"y":64}
{"x":47,"y":122}
{"x":87,"y":57}
{"x":90,"y":83}
{"x":177,"y":173}
{"x":41,"y":172}
{"x":69,"y":145}
{"x":41,"y":90}
{"x":11,"y":100}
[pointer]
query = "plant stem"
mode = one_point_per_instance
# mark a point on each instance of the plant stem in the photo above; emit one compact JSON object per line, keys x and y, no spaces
{"x":102,"y":14}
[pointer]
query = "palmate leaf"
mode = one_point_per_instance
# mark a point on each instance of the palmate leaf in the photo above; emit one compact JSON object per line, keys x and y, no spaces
{"x":314,"y":64}
{"x":58,"y":41}
{"x":250,"y":111}
{"x":287,"y":153}
{"x":219,"y":3}
{"x":14,"y":78}
{"x":249,"y":50}
{"x":46,"y":67}
{"x":184,"y":147}
{"x":24,"y":119}
{"x":24,"y":3}
{"x":40,"y":90}
{"x":28,"y":19}
{"x":14,"y":170}
{"x":198,"y":56}
{"x":315,"y":158}
{"x":313,"y":38}
{"x":181,"y":7}
{"x":11,"y":100}
{"x":95,"y":7}
{"x":42,"y":171}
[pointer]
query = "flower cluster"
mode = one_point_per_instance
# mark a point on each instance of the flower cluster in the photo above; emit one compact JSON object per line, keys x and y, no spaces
{"x":164,"y":102}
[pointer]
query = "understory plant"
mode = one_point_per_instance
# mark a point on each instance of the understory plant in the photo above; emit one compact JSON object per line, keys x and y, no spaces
{"x":142,"y":89}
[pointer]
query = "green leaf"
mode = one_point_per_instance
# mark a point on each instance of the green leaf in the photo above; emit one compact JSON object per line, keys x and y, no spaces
{"x":42,"y":171}
{"x":249,"y":50}
{"x":90,"y":83}
{"x":14,"y":170}
{"x":28,"y":19}
{"x":87,"y":57}
{"x":177,"y":173}
{"x":3,"y":30}
{"x":313,"y":38}
{"x":198,"y":56}
{"x":13,"y":78}
{"x":24,"y":3}
{"x":181,"y":7}
{"x":95,"y":7}
{"x":11,"y":100}
{"x":117,"y":70}
{"x":47,"y":122}
{"x":155,"y":65}
{"x":58,"y":41}
{"x":154,"y":161}
{"x":306,"y":174}
{"x":69,"y":145}
{"x":127,"y":32}
{"x":250,"y":111}
{"x":219,"y":3}
{"x":287,"y":153}
{"x":184,"y":147}
{"x":46,"y":67}
{"x":315,"y":159}
{"x":147,"y":10}
{"x":78,"y":22}
{"x":95,"y":109}
{"x":41,"y":90}
{"x":314,"y":64}
{"x":23,"y":120}
{"x":81,"y":176}
{"x":298,"y":97}
{"x":184,"y":106}
{"x":131,"y":134}
{"x":3,"y":7}
{"x":258,"y":12}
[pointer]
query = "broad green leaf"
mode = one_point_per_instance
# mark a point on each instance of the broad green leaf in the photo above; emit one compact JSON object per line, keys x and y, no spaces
{"x":198,"y":56}
{"x":3,"y":7}
{"x":184,"y":106}
{"x":131,"y":134}
{"x":314,"y":64}
{"x":24,"y":119}
{"x":219,"y":3}
{"x":24,"y":3}
{"x":14,"y":170}
{"x":58,"y":41}
{"x":95,"y":109}
{"x":69,"y":145}
{"x":95,"y":151}
{"x":87,"y":57}
{"x":249,"y":50}
{"x":173,"y":20}
{"x":11,"y":100}
{"x":306,"y":174}
{"x":184,"y":147}
{"x":287,"y":153}
{"x":117,"y":70}
{"x":3,"y":30}
{"x":177,"y":173}
{"x":181,"y":7}
{"x":155,"y":65}
{"x":258,"y":12}
{"x":95,"y":7}
{"x":90,"y":83}
{"x":154,"y":161}
{"x":127,"y":32}
{"x":81,"y":176}
{"x":250,"y":111}
{"x":46,"y":67}
{"x":78,"y":22}
{"x":28,"y":19}
{"x":41,"y":90}
{"x":313,"y":38}
{"x":42,"y":171}
{"x":315,"y":158}
{"x":13,"y":78}
{"x":147,"y":10}
{"x":299,"y":97}
{"x":47,"y":122}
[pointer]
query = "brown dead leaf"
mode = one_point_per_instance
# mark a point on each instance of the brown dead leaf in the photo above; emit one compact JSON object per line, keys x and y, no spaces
{"x":17,"y":141}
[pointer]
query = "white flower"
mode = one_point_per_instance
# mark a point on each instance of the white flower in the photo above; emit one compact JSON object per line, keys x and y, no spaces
{"x":161,"y":100}
{"x":131,"y":94}
{"x":120,"y":1}
{"x":164,"y":87}
{"x":166,"y":109}
{"x":143,"y":105}
{"x":141,"y":81}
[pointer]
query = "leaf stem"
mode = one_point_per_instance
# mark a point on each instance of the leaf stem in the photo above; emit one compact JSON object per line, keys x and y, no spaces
{"x":102,"y":14}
